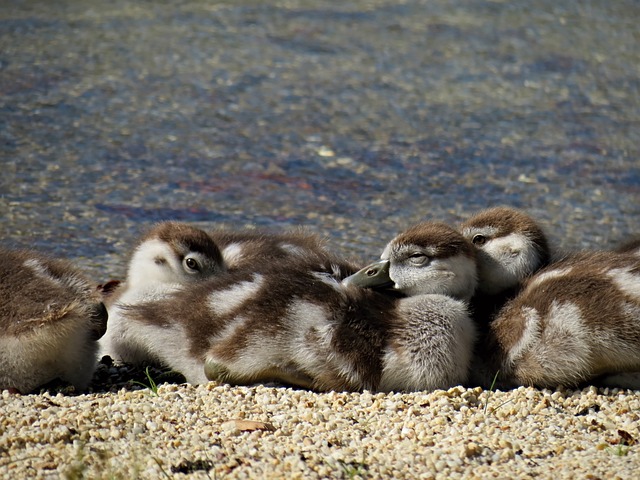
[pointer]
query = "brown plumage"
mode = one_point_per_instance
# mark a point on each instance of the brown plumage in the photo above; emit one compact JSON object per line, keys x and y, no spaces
{"x":511,"y":247}
{"x":158,"y":268}
{"x":574,"y":320}
{"x":170,"y":256}
{"x":51,"y":317}
{"x":292,"y":322}
{"x":251,"y":249}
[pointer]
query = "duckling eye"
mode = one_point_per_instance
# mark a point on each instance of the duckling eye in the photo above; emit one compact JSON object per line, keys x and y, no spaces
{"x":192,"y":264}
{"x":418,"y":259}
{"x":479,"y":240}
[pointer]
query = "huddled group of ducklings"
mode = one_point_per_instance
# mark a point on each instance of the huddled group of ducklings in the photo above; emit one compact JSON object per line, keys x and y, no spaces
{"x":485,"y":303}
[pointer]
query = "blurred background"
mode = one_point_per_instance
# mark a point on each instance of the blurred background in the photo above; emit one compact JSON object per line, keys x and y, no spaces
{"x":355,"y":119}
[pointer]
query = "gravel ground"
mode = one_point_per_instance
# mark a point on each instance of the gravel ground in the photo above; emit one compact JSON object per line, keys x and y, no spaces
{"x":214,"y":431}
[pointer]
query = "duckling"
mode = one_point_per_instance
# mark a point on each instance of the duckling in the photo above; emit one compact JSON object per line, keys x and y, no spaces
{"x":51,"y":317}
{"x":511,"y":246}
{"x":290,"y":324}
{"x":572,"y":321}
{"x":171,"y":256}
{"x":174,"y":255}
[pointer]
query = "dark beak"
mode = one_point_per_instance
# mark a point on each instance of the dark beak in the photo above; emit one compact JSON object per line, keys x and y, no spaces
{"x":375,"y":275}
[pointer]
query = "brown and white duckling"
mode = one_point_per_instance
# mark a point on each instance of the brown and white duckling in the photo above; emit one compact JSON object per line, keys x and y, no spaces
{"x":171,"y":256}
{"x":175,"y":255}
{"x":572,"y":321}
{"x":511,"y":247}
{"x":292,"y":325}
{"x":51,"y":317}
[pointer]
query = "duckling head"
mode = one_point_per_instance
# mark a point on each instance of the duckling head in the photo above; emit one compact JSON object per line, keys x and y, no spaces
{"x":174,"y":253}
{"x":511,"y":246}
{"x":429,"y":258}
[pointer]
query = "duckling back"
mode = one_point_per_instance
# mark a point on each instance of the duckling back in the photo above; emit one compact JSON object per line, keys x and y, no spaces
{"x":256,"y":249}
{"x":572,"y":321}
{"x":51,"y":318}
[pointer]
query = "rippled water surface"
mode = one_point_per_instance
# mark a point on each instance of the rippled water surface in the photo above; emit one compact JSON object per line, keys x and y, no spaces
{"x":356,"y":119}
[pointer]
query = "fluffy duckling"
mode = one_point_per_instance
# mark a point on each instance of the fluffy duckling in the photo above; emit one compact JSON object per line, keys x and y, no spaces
{"x":511,"y":246}
{"x":560,"y":316}
{"x":171,"y":256}
{"x":295,"y":325}
{"x":51,"y":318}
{"x":175,"y":255}
{"x":572,"y":321}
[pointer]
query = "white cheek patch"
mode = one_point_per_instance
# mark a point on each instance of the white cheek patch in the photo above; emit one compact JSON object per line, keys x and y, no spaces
{"x":226,"y":301}
{"x":515,"y":253}
{"x":464,"y":280}
{"x":626,"y":281}
{"x":233,"y":254}
{"x":452,"y":276}
{"x":145,"y":270}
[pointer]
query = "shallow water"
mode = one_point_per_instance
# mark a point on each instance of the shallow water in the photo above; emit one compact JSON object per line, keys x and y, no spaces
{"x":355,"y":119}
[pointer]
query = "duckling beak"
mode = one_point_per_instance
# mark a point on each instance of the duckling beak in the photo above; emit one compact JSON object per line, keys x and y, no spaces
{"x":375,"y":275}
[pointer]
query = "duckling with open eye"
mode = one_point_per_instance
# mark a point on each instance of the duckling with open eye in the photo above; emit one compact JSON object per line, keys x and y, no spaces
{"x":511,"y":246}
{"x":170,"y":257}
{"x":291,"y":324}
{"x":560,"y":304}
{"x":174,"y":256}
{"x":51,"y":317}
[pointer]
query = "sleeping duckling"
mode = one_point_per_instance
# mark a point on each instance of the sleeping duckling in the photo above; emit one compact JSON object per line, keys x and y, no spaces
{"x":290,"y":324}
{"x":572,"y":321}
{"x":51,"y":318}
{"x":511,"y":247}
{"x":170,"y":257}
